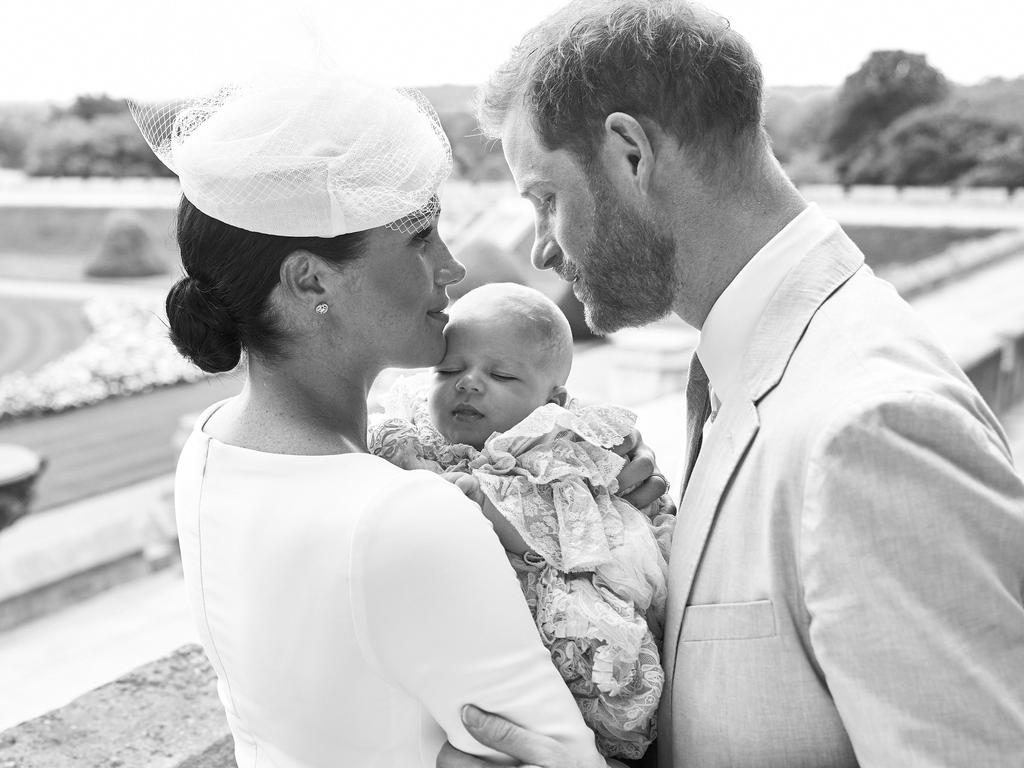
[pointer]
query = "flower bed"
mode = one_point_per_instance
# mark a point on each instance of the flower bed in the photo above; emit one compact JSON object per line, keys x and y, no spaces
{"x":127,"y":352}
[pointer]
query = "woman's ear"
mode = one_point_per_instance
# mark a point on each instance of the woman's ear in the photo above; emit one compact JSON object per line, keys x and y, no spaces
{"x":627,"y":152}
{"x":559,"y":395}
{"x":301,"y":277}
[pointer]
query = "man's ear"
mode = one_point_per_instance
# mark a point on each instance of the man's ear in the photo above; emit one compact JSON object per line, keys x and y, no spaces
{"x":559,"y":395}
{"x":301,"y":277}
{"x":627,"y":152}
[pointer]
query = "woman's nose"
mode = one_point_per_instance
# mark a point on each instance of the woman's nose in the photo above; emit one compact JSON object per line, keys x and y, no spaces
{"x":449,"y":271}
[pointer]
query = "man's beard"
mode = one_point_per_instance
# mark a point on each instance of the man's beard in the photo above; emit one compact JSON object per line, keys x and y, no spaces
{"x":628,"y":273}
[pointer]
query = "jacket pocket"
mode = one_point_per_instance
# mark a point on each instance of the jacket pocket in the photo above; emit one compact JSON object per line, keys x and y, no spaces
{"x":728,"y":621}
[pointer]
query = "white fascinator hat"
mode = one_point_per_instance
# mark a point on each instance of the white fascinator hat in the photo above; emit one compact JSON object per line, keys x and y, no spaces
{"x":304,"y":154}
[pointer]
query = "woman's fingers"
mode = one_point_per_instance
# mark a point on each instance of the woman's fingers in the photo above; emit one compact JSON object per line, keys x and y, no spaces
{"x":468,"y":484}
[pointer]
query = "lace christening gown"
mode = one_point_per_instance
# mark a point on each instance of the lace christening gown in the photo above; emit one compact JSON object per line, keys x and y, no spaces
{"x":595,"y":578}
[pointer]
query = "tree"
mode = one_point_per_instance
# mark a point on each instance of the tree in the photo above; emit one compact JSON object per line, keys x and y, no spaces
{"x":797,"y":123}
{"x":929,"y":146}
{"x":889,"y":84}
{"x":90,"y":106}
{"x":999,"y":166}
{"x":107,"y":145}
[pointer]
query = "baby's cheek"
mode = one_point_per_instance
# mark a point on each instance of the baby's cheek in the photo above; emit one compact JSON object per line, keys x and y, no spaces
{"x":434,"y":404}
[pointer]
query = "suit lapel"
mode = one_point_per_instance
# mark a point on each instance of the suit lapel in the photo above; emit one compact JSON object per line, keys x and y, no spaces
{"x":807,"y":286}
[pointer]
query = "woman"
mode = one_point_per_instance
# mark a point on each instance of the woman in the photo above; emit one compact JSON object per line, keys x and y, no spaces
{"x":350,"y":608}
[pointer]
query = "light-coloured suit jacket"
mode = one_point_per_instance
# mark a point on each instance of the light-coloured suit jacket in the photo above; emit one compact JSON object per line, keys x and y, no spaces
{"x":847,"y":571}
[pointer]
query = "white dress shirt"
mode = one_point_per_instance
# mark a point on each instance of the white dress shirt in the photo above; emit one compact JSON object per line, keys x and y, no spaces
{"x":731,"y":323}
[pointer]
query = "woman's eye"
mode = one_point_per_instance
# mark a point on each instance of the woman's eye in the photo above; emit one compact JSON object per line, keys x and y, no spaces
{"x":424,"y":234}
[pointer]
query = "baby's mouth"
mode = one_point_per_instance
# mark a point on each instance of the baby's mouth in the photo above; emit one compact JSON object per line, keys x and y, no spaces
{"x":466,"y":412}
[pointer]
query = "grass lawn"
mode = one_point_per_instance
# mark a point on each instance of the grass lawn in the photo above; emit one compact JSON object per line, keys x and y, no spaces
{"x":891,"y":246}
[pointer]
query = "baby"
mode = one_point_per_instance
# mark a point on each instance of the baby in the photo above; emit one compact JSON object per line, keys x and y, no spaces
{"x":592,"y":567}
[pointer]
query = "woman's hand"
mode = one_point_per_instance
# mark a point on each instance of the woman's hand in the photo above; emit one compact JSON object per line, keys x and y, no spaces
{"x":640,"y":481}
{"x":468,"y":484}
{"x":507,"y":534}
{"x":530,"y":749}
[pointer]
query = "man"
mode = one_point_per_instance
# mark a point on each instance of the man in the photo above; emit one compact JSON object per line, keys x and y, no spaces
{"x":847,"y":569}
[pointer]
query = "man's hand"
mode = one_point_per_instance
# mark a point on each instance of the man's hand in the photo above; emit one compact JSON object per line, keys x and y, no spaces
{"x":640,"y":480}
{"x":530,"y":749}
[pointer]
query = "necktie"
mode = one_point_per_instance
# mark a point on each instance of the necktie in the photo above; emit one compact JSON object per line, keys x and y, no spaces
{"x":698,"y":408}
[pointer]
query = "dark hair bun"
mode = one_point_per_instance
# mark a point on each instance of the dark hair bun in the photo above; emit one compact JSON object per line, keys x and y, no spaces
{"x":201,"y":327}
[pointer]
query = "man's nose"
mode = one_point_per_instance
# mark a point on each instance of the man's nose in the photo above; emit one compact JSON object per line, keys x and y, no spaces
{"x":546,"y":252}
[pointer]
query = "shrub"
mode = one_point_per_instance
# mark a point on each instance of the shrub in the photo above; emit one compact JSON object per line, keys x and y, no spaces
{"x":126,"y":249}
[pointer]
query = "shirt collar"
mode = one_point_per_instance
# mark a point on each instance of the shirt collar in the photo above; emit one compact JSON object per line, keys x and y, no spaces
{"x":733,"y":319}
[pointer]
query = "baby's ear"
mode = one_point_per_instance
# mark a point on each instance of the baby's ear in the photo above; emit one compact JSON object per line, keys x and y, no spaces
{"x":559,"y":395}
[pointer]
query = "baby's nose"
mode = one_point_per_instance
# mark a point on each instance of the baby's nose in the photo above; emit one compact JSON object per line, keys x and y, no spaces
{"x":467,"y":382}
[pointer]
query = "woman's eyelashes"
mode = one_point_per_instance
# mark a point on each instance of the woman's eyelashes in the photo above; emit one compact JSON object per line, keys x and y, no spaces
{"x":423,"y":235}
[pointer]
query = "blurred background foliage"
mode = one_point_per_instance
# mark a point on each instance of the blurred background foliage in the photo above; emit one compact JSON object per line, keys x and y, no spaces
{"x":896,"y":120}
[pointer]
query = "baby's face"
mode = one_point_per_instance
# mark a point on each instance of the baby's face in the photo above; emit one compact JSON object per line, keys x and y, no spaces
{"x":491,"y":378}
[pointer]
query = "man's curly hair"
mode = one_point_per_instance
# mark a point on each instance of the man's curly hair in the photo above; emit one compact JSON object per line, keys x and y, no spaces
{"x":668,"y":61}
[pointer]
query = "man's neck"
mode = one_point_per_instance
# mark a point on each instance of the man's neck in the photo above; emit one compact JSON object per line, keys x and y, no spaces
{"x":722,"y":235}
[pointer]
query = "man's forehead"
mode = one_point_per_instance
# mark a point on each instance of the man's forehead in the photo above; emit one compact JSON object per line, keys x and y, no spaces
{"x":529,"y":160}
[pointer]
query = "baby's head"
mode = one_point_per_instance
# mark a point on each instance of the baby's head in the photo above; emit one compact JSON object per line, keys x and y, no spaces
{"x":509,"y":351}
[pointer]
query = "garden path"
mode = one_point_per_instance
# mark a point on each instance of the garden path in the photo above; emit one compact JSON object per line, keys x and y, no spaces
{"x":114,"y":443}
{"x":34,"y":331}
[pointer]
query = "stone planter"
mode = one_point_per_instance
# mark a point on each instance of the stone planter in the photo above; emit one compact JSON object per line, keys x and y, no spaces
{"x":19,"y":470}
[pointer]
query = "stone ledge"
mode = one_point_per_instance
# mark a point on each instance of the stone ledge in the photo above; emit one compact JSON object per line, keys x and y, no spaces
{"x":956,"y":262}
{"x":162,"y":715}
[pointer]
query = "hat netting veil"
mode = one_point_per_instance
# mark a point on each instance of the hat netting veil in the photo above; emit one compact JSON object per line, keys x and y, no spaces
{"x":304,"y":154}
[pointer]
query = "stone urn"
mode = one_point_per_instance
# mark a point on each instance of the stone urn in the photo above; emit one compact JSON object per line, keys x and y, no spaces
{"x":19,"y":470}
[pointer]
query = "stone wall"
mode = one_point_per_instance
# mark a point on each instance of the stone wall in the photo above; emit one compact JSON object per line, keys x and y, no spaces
{"x":162,"y":715}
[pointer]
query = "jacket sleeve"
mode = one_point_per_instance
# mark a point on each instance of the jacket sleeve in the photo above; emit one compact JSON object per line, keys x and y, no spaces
{"x":443,"y":618}
{"x":912,"y":559}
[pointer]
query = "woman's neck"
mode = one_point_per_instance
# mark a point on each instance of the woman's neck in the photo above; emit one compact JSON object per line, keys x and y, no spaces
{"x":285,"y":410}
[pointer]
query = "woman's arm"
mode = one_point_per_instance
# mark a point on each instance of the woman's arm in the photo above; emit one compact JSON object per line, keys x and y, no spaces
{"x":442,"y":617}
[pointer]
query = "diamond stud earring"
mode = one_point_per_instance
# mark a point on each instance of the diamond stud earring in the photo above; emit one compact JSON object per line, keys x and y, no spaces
{"x":321,"y":308}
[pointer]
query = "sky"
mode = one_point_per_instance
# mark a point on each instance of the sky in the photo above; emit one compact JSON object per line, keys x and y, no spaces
{"x":55,"y":49}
